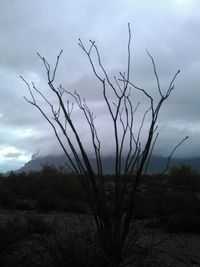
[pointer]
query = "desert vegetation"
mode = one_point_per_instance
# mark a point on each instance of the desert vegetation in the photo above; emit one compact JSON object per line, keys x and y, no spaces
{"x":49,"y":189}
{"x":113,"y":216}
{"x":80,"y":216}
{"x":46,"y":221}
{"x":174,"y":199}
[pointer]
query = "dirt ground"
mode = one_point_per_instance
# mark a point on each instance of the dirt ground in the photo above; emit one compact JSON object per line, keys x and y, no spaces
{"x":178,"y":250}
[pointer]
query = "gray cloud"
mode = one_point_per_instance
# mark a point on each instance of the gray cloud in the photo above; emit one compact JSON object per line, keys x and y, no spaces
{"x":170,"y":32}
{"x":12,"y":155}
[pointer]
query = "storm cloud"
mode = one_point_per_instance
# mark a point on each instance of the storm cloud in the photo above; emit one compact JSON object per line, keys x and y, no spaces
{"x":168,"y":29}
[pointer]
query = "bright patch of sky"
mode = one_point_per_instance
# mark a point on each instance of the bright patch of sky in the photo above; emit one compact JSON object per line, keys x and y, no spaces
{"x":12,"y":156}
{"x":185,"y":4}
{"x":21,"y":133}
{"x":191,"y":128}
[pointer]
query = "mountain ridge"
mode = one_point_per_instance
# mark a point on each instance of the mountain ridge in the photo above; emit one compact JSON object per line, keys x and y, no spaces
{"x":157,"y":163}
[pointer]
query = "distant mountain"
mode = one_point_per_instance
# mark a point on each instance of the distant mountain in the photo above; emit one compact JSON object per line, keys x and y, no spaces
{"x":157,"y":163}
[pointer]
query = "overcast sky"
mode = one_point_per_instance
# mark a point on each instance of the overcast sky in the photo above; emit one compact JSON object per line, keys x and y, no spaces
{"x":170,"y":30}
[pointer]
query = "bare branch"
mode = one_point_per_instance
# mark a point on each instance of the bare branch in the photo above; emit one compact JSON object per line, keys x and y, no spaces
{"x":172,"y":153}
{"x":171,"y":86}
{"x":155,"y":72}
{"x":113,"y":218}
{"x":30,"y":91}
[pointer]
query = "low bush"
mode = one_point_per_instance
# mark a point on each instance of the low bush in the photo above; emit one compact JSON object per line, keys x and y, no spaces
{"x":184,"y":178}
{"x":49,"y":201}
{"x":7,"y":197}
{"x":54,"y":202}
{"x":24,"y":204}
{"x":12,"y":232}
{"x":175,"y":211}
{"x":179,"y":212}
{"x":49,"y":188}
{"x":32,"y":240}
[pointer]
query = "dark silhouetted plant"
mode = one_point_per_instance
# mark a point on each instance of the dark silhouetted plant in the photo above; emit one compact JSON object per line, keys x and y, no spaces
{"x":185,"y":178}
{"x":113,"y":222}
